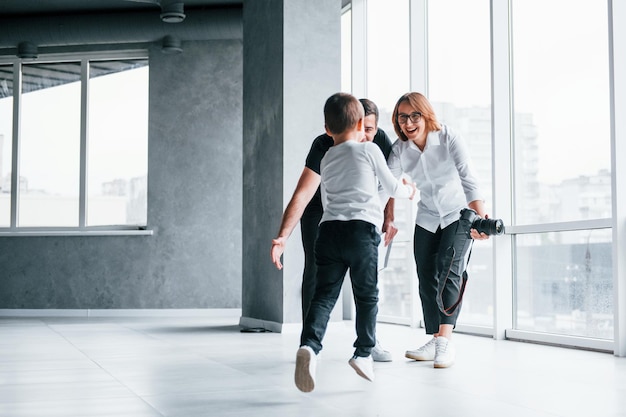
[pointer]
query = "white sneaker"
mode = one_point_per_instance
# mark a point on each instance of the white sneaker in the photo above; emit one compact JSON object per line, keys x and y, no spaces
{"x":424,"y":353}
{"x":305,"y":369}
{"x":444,"y":353}
{"x":364,"y":366}
{"x":379,"y":354}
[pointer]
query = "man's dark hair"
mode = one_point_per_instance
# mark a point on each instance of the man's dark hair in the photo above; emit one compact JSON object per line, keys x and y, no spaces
{"x":370,"y":108}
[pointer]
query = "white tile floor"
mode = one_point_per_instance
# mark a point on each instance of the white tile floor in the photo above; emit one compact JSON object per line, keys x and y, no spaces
{"x":189,"y":367}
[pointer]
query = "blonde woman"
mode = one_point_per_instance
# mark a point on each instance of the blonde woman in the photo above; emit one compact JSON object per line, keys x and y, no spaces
{"x":438,"y":160}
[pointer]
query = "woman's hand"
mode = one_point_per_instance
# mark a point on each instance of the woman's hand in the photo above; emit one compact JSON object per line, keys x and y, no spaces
{"x":479,"y":236}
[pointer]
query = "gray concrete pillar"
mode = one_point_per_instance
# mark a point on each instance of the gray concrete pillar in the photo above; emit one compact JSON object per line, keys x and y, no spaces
{"x":292,"y":64}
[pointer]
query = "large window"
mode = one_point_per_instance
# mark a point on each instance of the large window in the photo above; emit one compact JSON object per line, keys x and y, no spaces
{"x":562,"y":181}
{"x":388,"y":69}
{"x":564,"y":283}
{"x":388,"y":56}
{"x":117,"y":157}
{"x":49,"y":158}
{"x":83,"y":144}
{"x":459,"y":87}
{"x":534,"y":104}
{"x":562,"y":117}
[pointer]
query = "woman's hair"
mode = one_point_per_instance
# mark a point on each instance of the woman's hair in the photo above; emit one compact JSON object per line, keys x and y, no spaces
{"x":420,"y":104}
{"x":342,"y":111}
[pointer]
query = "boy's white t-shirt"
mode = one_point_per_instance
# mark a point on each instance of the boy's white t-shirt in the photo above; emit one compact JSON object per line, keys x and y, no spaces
{"x":350,"y":173}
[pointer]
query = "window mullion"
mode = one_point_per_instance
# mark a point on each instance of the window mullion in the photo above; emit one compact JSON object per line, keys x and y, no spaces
{"x":617,"y":56}
{"x":418,"y":81}
{"x":15,"y":160}
{"x":418,"y":10}
{"x":501,"y":132}
{"x":359,"y":48}
{"x":84,"y":112}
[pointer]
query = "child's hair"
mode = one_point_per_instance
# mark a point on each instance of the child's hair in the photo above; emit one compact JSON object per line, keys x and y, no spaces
{"x":342,"y":111}
{"x":421,"y":104}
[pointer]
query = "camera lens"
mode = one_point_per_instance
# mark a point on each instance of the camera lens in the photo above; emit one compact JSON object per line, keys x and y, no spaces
{"x":498,"y":227}
{"x":489,"y":226}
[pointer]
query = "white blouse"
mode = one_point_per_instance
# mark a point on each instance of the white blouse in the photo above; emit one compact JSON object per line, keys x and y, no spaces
{"x":443,"y":173}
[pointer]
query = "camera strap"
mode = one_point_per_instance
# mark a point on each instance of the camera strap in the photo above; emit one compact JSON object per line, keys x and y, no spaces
{"x":452,"y":309}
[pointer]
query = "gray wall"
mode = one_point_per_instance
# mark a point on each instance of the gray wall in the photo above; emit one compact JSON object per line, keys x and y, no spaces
{"x":211,"y":242}
{"x":193,"y":260}
{"x":291,"y":66}
{"x":263,"y":157}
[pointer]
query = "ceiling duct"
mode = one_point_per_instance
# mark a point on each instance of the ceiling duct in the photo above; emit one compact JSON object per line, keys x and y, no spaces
{"x":118,"y":28}
{"x":173,"y":13}
{"x":171,"y":45}
{"x":27,"y":50}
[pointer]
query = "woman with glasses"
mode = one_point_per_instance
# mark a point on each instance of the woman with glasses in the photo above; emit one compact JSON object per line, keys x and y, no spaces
{"x":438,"y":160}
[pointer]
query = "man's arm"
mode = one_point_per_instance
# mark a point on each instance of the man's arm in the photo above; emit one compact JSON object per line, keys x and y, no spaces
{"x":389,"y":227}
{"x":307,"y":186}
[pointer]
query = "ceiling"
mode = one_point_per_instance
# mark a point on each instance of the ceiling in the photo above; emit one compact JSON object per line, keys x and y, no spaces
{"x":42,"y":7}
{"x":39,"y":75}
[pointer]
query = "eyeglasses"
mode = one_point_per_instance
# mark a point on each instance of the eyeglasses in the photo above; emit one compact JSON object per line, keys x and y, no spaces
{"x":415,"y":117}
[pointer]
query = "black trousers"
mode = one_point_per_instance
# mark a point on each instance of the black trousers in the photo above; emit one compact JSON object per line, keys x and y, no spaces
{"x":309,"y":225}
{"x":342,"y":246}
{"x":441,"y":259}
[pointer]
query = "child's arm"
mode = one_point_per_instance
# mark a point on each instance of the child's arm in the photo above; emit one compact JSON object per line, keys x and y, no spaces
{"x":412,"y":185}
{"x":396,"y":188}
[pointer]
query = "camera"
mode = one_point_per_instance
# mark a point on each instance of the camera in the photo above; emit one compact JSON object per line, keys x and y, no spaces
{"x":470,"y":220}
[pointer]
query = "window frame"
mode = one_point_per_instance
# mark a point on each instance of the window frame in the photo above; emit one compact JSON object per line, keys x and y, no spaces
{"x":82,"y":229}
{"x":503,"y":155}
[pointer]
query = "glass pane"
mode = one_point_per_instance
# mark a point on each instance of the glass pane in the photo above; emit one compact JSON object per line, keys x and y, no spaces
{"x":561,"y":101}
{"x":460,"y":91}
{"x":388,"y":56}
{"x":396,"y":293}
{"x":117,"y":161}
{"x":565,"y":283}
{"x":6,"y":142}
{"x":387,"y":79}
{"x":50,"y":145}
{"x":346,"y":51}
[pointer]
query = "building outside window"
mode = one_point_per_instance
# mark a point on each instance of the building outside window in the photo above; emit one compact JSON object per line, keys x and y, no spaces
{"x":563,"y":273}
